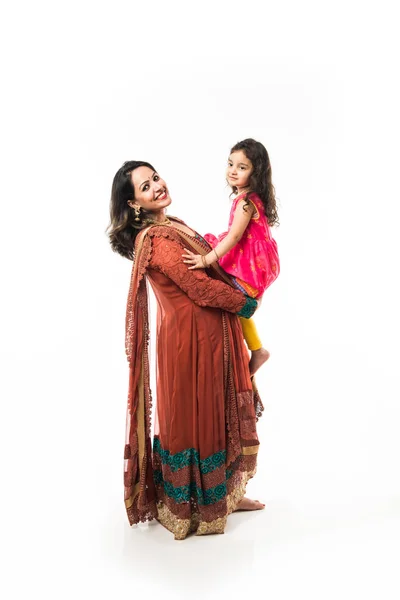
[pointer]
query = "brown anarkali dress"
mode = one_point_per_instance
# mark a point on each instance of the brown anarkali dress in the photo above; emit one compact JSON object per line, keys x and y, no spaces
{"x":205,"y":442}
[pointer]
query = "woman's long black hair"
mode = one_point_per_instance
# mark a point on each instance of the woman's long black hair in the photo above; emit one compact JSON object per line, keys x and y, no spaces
{"x":123,"y":228}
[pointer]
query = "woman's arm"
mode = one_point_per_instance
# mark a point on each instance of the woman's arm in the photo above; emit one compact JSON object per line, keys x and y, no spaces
{"x":242,"y":216}
{"x":166,"y":257}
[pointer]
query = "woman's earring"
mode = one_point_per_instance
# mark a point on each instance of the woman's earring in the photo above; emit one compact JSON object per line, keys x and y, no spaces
{"x":137,"y":213}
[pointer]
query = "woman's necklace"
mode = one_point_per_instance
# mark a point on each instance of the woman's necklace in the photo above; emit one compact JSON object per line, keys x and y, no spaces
{"x":152,"y":222}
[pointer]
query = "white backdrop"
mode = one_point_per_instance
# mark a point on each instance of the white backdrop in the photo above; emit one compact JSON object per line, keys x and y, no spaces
{"x":89,"y":85}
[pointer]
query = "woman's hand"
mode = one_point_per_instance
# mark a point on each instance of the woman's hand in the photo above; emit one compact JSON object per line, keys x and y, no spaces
{"x":196,"y":260}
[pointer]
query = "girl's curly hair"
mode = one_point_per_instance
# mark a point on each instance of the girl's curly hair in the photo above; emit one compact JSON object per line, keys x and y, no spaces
{"x":261,"y":178}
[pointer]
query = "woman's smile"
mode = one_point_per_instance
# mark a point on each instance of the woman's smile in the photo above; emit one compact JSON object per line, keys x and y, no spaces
{"x":162,"y":196}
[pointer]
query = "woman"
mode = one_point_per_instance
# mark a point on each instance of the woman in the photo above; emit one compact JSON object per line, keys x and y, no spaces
{"x":205,"y":441}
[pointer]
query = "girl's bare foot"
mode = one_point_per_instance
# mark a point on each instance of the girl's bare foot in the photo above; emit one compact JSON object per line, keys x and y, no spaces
{"x":248,"y":504}
{"x":258,"y":358}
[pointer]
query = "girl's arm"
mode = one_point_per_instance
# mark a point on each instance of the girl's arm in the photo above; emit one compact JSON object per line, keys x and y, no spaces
{"x":242,"y":216}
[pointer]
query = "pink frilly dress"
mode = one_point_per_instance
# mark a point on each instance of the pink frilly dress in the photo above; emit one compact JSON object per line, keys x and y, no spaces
{"x":254,"y":261}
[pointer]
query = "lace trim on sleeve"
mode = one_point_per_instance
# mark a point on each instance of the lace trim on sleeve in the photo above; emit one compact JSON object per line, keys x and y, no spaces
{"x":249,"y":308}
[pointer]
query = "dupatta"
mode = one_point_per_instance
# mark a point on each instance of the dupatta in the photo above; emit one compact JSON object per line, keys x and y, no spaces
{"x":138,"y":476}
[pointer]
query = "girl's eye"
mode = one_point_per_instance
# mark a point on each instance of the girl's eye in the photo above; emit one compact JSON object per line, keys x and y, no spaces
{"x":156,"y":177}
{"x":145,"y":188}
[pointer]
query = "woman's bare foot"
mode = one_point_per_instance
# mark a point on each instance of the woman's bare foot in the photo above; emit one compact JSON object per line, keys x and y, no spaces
{"x":248,"y":504}
{"x":258,"y":358}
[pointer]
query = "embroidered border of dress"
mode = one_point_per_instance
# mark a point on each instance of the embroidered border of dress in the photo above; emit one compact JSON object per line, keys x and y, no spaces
{"x":182,"y":527}
{"x":184,"y":478}
{"x":189,"y":456}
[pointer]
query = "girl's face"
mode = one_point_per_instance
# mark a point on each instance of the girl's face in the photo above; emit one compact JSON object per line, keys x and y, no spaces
{"x":239,"y":170}
{"x":151,"y":192}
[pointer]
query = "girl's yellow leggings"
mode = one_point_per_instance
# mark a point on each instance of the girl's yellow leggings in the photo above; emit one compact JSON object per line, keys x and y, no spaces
{"x":250,"y":334}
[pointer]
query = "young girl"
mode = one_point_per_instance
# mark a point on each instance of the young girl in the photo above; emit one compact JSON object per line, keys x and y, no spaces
{"x":247,"y":250}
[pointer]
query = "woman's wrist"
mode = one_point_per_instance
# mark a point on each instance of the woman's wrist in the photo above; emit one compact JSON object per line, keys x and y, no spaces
{"x":211,"y":257}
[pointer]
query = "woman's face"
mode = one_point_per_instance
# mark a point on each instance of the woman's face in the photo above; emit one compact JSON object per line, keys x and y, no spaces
{"x":151,"y":192}
{"x":239,"y":170}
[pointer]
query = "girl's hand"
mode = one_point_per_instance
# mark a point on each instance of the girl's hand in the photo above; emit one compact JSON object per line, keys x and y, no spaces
{"x":196,"y":260}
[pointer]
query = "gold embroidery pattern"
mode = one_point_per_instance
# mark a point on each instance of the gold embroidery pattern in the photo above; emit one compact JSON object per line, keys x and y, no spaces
{"x":217,"y":526}
{"x":181,"y":528}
